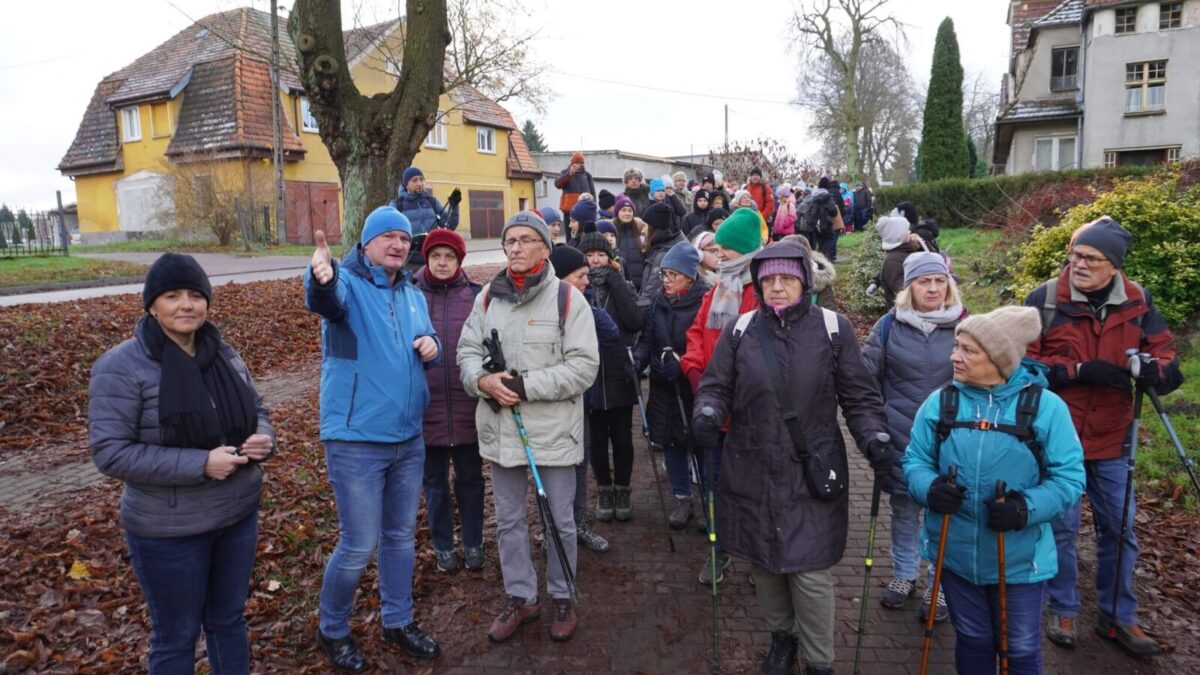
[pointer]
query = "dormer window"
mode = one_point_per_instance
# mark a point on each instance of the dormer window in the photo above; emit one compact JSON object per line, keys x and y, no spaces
{"x":131,"y":124}
{"x":1064,"y":69}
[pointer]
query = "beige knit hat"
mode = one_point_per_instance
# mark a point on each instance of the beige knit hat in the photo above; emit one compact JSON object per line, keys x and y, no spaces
{"x":1004,"y":333}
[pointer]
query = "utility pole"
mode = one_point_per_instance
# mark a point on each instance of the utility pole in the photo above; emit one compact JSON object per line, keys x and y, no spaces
{"x":277,"y":121}
{"x":726,"y":127}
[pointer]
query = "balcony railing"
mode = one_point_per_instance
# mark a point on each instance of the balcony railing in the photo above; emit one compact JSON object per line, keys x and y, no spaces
{"x":1064,"y":82}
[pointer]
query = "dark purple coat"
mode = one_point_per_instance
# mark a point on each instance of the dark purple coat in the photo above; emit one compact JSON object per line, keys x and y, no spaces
{"x":450,"y":417}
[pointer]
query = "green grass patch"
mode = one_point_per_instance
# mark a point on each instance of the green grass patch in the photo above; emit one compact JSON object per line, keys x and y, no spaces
{"x":1158,"y":465}
{"x":975,"y":258}
{"x":59,"y":269}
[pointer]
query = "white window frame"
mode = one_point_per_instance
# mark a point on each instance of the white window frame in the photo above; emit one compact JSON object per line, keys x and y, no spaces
{"x":1173,"y":155}
{"x":1110,"y":159}
{"x":1127,"y":11}
{"x":306,"y":116}
{"x":437,"y":136}
{"x":1143,"y":85}
{"x":131,"y":124}
{"x":1168,"y":11}
{"x":1055,"y":142}
{"x":485,"y":140}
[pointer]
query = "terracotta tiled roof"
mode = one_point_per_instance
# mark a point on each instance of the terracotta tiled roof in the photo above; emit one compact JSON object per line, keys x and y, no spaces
{"x":520,"y":162}
{"x":479,"y":109}
{"x":1101,"y":3}
{"x":228,"y":109}
{"x":96,"y":147}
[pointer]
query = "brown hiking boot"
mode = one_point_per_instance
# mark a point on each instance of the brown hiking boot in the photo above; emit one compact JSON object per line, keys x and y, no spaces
{"x":1061,"y":631}
{"x":516,"y":613}
{"x":1131,"y":638}
{"x":565,"y":621}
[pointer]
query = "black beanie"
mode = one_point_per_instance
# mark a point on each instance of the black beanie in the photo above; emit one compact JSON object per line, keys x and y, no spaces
{"x":713,"y":216}
{"x":606,"y":200}
{"x":658,"y":216}
{"x":566,"y":259}
{"x":909,"y":211}
{"x":595,"y":241}
{"x":1107,"y":236}
{"x":172,"y":272}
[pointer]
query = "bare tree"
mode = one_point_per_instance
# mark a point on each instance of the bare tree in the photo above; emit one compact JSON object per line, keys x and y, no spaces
{"x":202,"y":191}
{"x":981,"y":102}
{"x":772,"y":156}
{"x":839,"y":29}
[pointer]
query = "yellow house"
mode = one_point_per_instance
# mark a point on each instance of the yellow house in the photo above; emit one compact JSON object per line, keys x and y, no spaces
{"x":190,"y":121}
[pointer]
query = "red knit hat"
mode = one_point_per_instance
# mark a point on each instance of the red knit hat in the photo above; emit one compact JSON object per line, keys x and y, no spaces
{"x":443,"y":237}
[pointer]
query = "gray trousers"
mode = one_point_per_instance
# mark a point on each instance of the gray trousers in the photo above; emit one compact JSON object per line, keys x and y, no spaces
{"x":510,"y":489}
{"x":801,"y":603}
{"x":581,"y":480}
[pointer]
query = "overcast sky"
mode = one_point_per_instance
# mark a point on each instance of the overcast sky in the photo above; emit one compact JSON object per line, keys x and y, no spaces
{"x":628,"y":74}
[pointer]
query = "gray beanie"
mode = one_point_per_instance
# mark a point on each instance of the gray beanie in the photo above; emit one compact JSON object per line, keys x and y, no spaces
{"x":531,"y":220}
{"x":922,"y":263}
{"x":1107,"y":236}
{"x":1004,"y":334}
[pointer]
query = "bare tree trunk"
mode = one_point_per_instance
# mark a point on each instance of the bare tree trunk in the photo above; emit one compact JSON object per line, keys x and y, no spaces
{"x":371,"y":140}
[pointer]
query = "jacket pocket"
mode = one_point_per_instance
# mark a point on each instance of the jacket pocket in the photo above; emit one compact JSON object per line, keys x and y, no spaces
{"x":353,"y":396}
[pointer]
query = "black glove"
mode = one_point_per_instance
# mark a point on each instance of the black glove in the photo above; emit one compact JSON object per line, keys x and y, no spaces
{"x":1008,"y":515}
{"x":670,"y":367}
{"x":455,"y":197}
{"x":945,"y":496}
{"x":882,"y":456}
{"x":1150,"y":374}
{"x":516,"y":384}
{"x":706,"y":427}
{"x":1104,"y":373}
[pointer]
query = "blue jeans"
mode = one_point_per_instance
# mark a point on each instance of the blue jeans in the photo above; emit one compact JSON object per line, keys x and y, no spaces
{"x":906,"y":537}
{"x":378,"y":488}
{"x":975,"y":613}
{"x":194,"y":582}
{"x":468,"y":490}
{"x":678,"y":470}
{"x":1106,"y":493}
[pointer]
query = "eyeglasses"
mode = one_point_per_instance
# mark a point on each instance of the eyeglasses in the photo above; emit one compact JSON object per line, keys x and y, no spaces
{"x":712,"y":249}
{"x":1088,"y":260}
{"x":524,"y":242}
{"x":670,"y":275}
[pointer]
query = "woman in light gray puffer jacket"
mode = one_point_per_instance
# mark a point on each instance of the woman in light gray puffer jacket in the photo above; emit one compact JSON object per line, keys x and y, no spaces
{"x":908,"y":351}
{"x":173,"y":414}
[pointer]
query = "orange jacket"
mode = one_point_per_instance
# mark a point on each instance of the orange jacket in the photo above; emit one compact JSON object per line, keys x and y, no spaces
{"x":702,"y":340}
{"x":764,"y":197}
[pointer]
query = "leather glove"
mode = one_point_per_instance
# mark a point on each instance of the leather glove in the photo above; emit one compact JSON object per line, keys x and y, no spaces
{"x":1150,"y":374}
{"x":517,"y":385}
{"x":945,"y":496}
{"x":882,"y":456}
{"x":455,"y":197}
{"x":706,"y":427}
{"x":1104,"y":373}
{"x":1008,"y":515}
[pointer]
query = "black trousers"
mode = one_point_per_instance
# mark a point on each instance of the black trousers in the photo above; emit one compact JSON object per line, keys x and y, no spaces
{"x":615,"y":425}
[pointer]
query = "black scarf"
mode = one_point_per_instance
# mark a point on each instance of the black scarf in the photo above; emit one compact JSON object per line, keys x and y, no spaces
{"x":202,"y":401}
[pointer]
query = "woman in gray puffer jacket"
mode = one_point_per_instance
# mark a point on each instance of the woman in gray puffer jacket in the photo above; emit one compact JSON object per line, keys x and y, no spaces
{"x":173,"y":414}
{"x":908,"y":351}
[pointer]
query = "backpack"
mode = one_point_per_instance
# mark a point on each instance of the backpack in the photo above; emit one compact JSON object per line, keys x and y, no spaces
{"x":831,"y":328}
{"x":564,"y":304}
{"x":1050,"y":305}
{"x":1027,"y":409}
{"x":818,"y":219}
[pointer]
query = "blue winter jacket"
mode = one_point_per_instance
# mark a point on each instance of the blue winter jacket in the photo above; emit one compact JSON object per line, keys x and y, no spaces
{"x":425,"y":212}
{"x":373,"y":386}
{"x":982,"y":458}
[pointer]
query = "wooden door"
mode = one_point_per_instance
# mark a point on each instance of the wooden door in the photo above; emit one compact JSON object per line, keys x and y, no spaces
{"x":311,"y":206}
{"x":487,"y":213}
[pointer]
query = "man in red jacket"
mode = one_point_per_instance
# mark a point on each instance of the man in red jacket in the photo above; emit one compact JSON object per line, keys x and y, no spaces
{"x":1092,"y":313}
{"x":761,"y":192}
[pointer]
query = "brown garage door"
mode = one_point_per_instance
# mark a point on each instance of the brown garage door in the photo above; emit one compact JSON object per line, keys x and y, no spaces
{"x":312,"y":206}
{"x":487,"y":213}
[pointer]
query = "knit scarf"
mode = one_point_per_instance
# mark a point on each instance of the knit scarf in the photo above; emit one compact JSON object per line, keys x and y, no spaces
{"x":518,"y":278}
{"x":202,"y":401}
{"x":928,"y":322}
{"x":727,"y":295}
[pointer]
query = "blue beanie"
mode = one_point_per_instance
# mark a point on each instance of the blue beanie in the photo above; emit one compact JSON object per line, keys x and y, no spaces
{"x":603,"y":226}
{"x":683,"y":258}
{"x":550,"y":214}
{"x":584,"y":211}
{"x":409,"y":174}
{"x":657,"y":185}
{"x":384,"y":219}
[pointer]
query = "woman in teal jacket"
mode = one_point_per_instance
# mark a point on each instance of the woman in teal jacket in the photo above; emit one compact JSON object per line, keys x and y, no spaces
{"x":1041,"y":478}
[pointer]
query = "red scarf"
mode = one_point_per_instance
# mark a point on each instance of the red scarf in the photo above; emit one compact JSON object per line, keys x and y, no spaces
{"x":518,"y":278}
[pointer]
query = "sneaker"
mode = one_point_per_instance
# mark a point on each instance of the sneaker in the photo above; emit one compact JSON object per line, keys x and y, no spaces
{"x":623,"y":504}
{"x":941,"y":612}
{"x":474,"y":559}
{"x":516,"y":613}
{"x":415,"y":643}
{"x":1131,"y":638}
{"x":343,"y":653}
{"x":706,"y":571}
{"x":1061,"y":631}
{"x":604,"y":504}
{"x":565,"y":620}
{"x":898,"y":591}
{"x":588,"y":537}
{"x":783,"y":653}
{"x":447,"y":561}
{"x":681,"y":514}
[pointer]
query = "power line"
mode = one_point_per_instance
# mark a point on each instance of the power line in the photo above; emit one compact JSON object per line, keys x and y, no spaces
{"x":722,"y":97}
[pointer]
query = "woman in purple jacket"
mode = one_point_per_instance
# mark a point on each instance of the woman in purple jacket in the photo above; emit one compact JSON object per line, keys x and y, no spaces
{"x":450,"y":417}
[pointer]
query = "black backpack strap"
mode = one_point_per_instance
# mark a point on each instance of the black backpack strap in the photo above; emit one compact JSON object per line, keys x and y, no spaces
{"x":1027,"y":411}
{"x":790,"y":419}
{"x":947,"y":417}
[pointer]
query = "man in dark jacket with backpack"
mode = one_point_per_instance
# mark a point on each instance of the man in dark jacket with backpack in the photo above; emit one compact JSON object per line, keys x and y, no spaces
{"x":823,"y":219}
{"x":1091,"y":314}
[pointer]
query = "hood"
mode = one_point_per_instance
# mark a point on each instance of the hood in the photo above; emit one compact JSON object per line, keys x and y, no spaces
{"x":823,"y":272}
{"x":694,"y":295}
{"x":1028,"y":372}
{"x":781,"y":249}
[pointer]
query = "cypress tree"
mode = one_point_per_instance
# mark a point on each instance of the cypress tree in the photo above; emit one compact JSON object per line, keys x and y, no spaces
{"x":943,"y":144}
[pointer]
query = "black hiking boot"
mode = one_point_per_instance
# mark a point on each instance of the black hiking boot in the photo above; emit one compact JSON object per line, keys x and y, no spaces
{"x":782,"y":655}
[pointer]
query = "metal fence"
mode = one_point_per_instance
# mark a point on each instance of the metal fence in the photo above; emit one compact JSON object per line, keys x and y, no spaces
{"x":30,"y":233}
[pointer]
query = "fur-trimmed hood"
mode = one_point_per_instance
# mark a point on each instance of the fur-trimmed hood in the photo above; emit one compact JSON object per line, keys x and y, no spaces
{"x":824,"y":273}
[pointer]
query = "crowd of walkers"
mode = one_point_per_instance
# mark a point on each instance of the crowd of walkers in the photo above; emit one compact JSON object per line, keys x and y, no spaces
{"x":989,"y":427}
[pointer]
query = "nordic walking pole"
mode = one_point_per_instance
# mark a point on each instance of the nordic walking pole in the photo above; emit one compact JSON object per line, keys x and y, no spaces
{"x":1001,"y":490}
{"x":1162,"y":415}
{"x":693,"y":454}
{"x":547,"y":516}
{"x":662,"y":503}
{"x":868,"y":563}
{"x":937,"y":583}
{"x":1135,"y":369}
{"x":709,"y":470}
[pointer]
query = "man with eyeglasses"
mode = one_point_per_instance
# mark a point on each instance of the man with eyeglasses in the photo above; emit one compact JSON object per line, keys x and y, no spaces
{"x":550,"y":359}
{"x":1091,"y":314}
